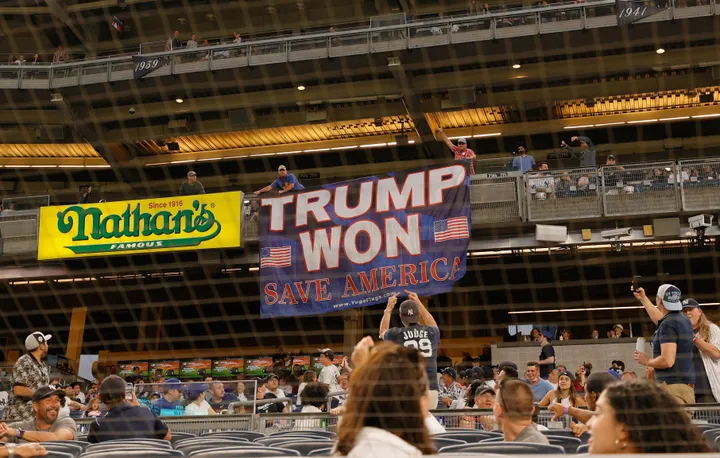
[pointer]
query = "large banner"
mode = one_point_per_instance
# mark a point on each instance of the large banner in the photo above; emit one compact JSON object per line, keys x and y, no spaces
{"x":140,"y":226}
{"x":629,"y":11}
{"x":353,"y":244}
{"x":146,"y":65}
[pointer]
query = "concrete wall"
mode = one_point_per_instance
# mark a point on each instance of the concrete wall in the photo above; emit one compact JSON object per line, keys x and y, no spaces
{"x":600,"y":353}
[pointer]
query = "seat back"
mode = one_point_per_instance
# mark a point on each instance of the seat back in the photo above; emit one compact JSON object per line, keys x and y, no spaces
{"x":258,"y":452}
{"x":214,"y":440}
{"x":321,"y":452}
{"x":188,"y":448}
{"x":584,"y":448}
{"x":313,"y":432}
{"x":468,"y":436}
{"x":440,"y":442}
{"x":305,"y":447}
{"x":59,"y":454}
{"x":132,"y":453}
{"x":505,"y":448}
{"x":82,"y":445}
{"x":72,"y":449}
{"x":710,"y":436}
{"x":249,"y":435}
{"x":274,"y":441}
{"x":570,"y":444}
{"x":558,"y":432}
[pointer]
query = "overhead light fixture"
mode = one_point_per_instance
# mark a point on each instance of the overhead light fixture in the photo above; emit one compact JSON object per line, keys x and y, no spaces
{"x":660,"y":50}
{"x":610,"y":124}
{"x":494,"y":134}
{"x":97,"y":166}
{"x":642,"y":121}
{"x":516,"y":66}
{"x":579,"y":127}
{"x":713,"y":115}
{"x":254,"y":269}
{"x":343,"y":147}
{"x":183,"y":161}
{"x":69,"y":166}
{"x":301,"y":88}
{"x":179,"y":100}
{"x":315,"y":150}
{"x":373,"y":145}
{"x":674,"y":119}
{"x":289,"y":152}
{"x":209,"y":159}
{"x":262,"y":154}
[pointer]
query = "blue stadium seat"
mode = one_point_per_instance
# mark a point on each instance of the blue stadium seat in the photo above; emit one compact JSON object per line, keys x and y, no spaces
{"x":440,"y":442}
{"x":711,"y":436}
{"x":570,"y":444}
{"x":321,"y":452}
{"x":133,"y":453}
{"x":82,"y":445}
{"x":189,"y":447}
{"x":468,"y":436}
{"x":703,"y":427}
{"x":274,"y":441}
{"x":176,"y":436}
{"x":313,"y":432}
{"x":249,"y":435}
{"x":305,"y":447}
{"x":72,"y":449}
{"x":558,"y":432}
{"x":57,"y":454}
{"x":584,"y":448}
{"x":228,"y":436}
{"x":259,"y":452}
{"x":505,"y":448}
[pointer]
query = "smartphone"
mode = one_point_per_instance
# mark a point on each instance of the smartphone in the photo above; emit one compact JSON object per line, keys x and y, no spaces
{"x":129,"y":387}
{"x":636,"y":282}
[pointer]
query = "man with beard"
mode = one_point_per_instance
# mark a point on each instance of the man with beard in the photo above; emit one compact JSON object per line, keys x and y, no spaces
{"x":29,"y":373}
{"x":46,"y":426}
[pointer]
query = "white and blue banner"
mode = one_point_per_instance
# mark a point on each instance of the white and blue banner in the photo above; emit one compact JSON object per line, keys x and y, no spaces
{"x":353,"y":244}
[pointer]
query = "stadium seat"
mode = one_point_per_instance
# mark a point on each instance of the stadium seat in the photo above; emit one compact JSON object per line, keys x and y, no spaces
{"x":274,"y":441}
{"x":82,"y":445}
{"x":440,"y":442}
{"x":299,"y":435}
{"x":74,"y":450}
{"x":208,"y":440}
{"x":313,"y":432}
{"x":493,"y":439}
{"x":57,"y":454}
{"x":188,"y":448}
{"x":158,"y":443}
{"x":715,"y":446}
{"x":584,"y":448}
{"x":244,"y":452}
{"x":468,"y":436}
{"x":505,"y":448}
{"x":558,"y":432}
{"x":249,"y":435}
{"x":570,"y":444}
{"x":132,"y":453}
{"x":321,"y":452}
{"x":176,"y":436}
{"x":703,"y":427}
{"x":305,"y":447}
{"x":230,"y":437}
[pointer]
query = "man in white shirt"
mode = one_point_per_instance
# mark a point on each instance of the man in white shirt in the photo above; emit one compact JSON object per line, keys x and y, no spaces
{"x":329,"y":374}
{"x":79,"y":395}
{"x":198,"y":404}
{"x":192,"y":42}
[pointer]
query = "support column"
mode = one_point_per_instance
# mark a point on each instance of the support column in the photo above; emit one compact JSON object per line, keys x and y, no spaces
{"x":353,"y":329}
{"x":77,"y":332}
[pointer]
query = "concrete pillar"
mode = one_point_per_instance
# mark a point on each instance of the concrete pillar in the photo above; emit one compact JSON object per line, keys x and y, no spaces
{"x":77,"y":332}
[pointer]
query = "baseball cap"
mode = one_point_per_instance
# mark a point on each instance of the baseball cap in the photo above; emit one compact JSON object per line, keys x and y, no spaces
{"x":611,"y":156}
{"x":567,"y":374}
{"x":548,"y":335}
{"x":409,"y":312}
{"x":507,"y":364}
{"x":191,"y":173}
{"x":195,"y":390}
{"x":690,"y":304}
{"x":670,"y":295}
{"x":462,"y":140}
{"x":112,"y":387}
{"x":282,"y":167}
{"x":327,"y":352}
{"x":482,"y":389}
{"x":47,"y":391}
{"x":172,"y":384}
{"x":618,"y":326}
{"x":273,"y":376}
{"x":35,"y":339}
{"x":449,"y":371}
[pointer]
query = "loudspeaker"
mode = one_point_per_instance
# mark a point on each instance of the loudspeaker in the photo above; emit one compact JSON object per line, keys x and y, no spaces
{"x":706,"y":98}
{"x":547,"y":233}
{"x":666,"y":227}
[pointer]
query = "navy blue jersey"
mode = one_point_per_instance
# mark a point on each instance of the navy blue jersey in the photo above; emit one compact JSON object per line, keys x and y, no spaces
{"x":424,"y":339}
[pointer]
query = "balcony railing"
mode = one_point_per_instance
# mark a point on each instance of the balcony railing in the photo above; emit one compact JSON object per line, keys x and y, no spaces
{"x":422,"y":34}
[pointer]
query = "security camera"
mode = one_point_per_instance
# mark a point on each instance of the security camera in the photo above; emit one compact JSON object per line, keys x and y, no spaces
{"x":615,"y":233}
{"x":131,"y":110}
{"x":700,"y":221}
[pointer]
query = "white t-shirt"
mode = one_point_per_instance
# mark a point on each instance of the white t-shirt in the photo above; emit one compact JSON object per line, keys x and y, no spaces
{"x":329,"y":375}
{"x":194,"y":409}
{"x":80,"y":398}
{"x":300,"y":390}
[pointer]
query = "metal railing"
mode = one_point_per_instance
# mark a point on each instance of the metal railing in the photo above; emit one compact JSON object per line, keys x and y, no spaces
{"x":639,"y":189}
{"x":564,"y":194}
{"x":24,"y":203}
{"x":699,"y":184}
{"x":426,"y":33}
{"x":496,"y":198}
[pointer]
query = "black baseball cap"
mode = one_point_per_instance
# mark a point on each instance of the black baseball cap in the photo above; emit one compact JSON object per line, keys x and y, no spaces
{"x":270,"y":377}
{"x":327,"y":352}
{"x":690,"y":304}
{"x":482,"y":389}
{"x":112,"y":387}
{"x":409,"y":312}
{"x":507,"y":364}
{"x":45,"y":392}
{"x":449,"y":371}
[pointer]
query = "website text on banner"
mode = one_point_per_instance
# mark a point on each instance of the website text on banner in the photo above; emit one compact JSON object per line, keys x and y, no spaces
{"x":355,"y":243}
{"x":141,"y":226}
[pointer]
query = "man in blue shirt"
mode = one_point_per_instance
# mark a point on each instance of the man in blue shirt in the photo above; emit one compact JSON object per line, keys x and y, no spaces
{"x":672,"y":343}
{"x":524,"y":162}
{"x":539,"y":386}
{"x":170,"y":404}
{"x":286,"y":182}
{"x":124,"y":420}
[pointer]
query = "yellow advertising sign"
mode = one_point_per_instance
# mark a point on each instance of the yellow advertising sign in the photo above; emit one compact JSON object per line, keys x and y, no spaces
{"x":141,"y":226}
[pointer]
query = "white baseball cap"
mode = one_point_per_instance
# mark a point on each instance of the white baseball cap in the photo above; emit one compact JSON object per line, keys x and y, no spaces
{"x":36,"y":339}
{"x":462,"y":140}
{"x":670,"y":295}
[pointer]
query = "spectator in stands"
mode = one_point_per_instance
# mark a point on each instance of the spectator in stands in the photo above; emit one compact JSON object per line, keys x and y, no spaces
{"x":641,"y":417}
{"x":461,"y":151}
{"x":565,"y":334}
{"x":508,"y":370}
{"x":684,"y":176}
{"x":553,"y":378}
{"x":191,"y":186}
{"x":192,"y":42}
{"x":308,"y":377}
{"x":583,"y":149}
{"x":474,"y":7}
{"x":136,"y":374}
{"x":198,"y":405}
{"x":425,"y":337}
{"x":29,"y":373}
{"x":272,"y":384}
{"x":174,"y":42}
{"x":535,"y":335}
{"x":386,"y":412}
{"x":283,"y":385}
{"x":45,"y":425}
{"x":524,"y":162}
{"x":236,"y":38}
{"x":21,"y":60}
{"x":547,"y":355}
{"x":85,"y":195}
{"x":565,"y":186}
{"x":344,"y":386}
{"x":220,"y":400}
{"x":170,"y":400}
{"x":616,"y":332}
{"x":540,"y":184}
{"x":630,"y":376}
{"x":595,"y":335}
{"x":240,"y":392}
{"x":124,"y":420}
{"x":538,"y":385}
{"x":706,"y":353}
{"x":707,"y":173}
{"x":93,"y":408}
{"x":581,"y":375}
{"x":564,"y":394}
{"x":329,"y":374}
{"x":315,"y":398}
{"x":60,"y":55}
{"x":513,"y":413}
{"x":79,"y":395}
{"x":262,"y":395}
{"x":483,"y":398}
{"x":285,"y":182}
{"x":618,"y":366}
{"x":36,"y":59}
{"x":594,"y":386}
{"x":672,"y":343}
{"x":449,"y":390}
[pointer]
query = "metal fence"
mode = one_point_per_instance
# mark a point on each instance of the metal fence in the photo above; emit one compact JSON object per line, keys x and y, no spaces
{"x":638,"y":189}
{"x":496,"y":198}
{"x":700,"y":184}
{"x":25,"y":203}
{"x":563,"y":195}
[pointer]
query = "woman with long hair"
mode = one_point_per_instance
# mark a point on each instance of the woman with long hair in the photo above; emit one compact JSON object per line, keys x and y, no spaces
{"x":385,"y":409}
{"x":308,"y":377}
{"x":565,"y":394}
{"x":641,"y":417}
{"x":706,"y":353}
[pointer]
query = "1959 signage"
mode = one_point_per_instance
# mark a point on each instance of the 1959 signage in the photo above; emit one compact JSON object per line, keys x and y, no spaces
{"x":145,"y":65}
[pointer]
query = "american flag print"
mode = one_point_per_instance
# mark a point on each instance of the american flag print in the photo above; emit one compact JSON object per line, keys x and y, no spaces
{"x":452,"y":228}
{"x":275,"y":257}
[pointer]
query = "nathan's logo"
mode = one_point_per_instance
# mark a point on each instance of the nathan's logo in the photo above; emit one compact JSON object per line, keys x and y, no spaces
{"x":198,"y":223}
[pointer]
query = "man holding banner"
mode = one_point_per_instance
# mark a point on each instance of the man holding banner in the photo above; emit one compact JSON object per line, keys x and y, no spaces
{"x":425,"y":338}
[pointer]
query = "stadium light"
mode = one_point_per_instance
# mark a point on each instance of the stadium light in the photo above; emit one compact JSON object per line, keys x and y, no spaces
{"x":678,"y":118}
{"x":610,"y":124}
{"x":660,"y":50}
{"x":642,"y":121}
{"x":516,"y":66}
{"x":712,"y":115}
{"x":301,"y":88}
{"x":179,"y":100}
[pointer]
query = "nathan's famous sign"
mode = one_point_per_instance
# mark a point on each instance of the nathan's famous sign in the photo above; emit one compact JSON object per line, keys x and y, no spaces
{"x":140,"y":226}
